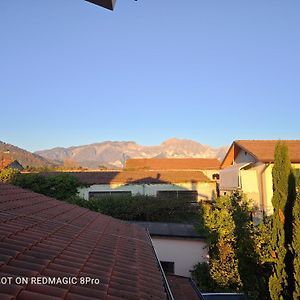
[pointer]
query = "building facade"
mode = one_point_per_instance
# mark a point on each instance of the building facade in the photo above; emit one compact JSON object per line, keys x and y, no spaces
{"x":247,"y":167}
{"x":190,"y":184}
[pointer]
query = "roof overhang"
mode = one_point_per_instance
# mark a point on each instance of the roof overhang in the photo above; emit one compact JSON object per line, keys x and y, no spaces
{"x":109,"y":4}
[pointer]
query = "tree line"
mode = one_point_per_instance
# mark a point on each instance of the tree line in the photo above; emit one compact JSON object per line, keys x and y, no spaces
{"x":65,"y":187}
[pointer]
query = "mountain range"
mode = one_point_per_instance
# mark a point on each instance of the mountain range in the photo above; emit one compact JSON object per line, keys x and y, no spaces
{"x":112,"y":154}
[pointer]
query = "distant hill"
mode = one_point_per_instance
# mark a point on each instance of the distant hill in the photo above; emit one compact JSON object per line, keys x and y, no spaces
{"x":25,"y":158}
{"x":113,"y":154}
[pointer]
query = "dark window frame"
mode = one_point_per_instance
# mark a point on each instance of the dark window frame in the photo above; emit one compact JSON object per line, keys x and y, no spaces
{"x":93,"y":194}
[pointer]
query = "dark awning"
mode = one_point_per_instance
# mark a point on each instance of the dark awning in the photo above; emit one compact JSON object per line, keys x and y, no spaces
{"x":109,"y":4}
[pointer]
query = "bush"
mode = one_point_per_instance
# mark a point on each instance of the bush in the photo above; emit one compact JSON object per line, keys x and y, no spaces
{"x":146,"y":208}
{"x":62,"y":186}
{"x":8,"y":175}
{"x":239,"y":257}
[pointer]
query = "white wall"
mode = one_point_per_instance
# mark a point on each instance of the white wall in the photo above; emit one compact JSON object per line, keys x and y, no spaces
{"x":185,"y":253}
{"x":205,"y":189}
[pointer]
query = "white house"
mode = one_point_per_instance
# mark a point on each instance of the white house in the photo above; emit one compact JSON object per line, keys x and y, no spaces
{"x":192,"y":184}
{"x":247,"y":167}
{"x":178,"y":246}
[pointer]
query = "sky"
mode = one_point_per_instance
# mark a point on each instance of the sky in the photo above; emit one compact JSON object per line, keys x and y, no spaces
{"x":73,"y":73}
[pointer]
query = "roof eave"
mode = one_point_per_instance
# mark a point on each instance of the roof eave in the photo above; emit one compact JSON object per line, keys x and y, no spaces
{"x":109,"y":4}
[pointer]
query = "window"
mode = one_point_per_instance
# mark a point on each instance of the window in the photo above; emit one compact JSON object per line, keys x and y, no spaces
{"x":101,"y":195}
{"x":190,"y":195}
{"x":168,"y":266}
{"x":216,"y":176}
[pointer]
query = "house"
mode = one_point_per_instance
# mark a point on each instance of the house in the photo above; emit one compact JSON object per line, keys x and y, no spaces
{"x":178,"y":246}
{"x":208,"y":166}
{"x":247,"y":167}
{"x":192,"y":184}
{"x":184,"y":288}
{"x":54,"y":250}
{"x":10,"y":164}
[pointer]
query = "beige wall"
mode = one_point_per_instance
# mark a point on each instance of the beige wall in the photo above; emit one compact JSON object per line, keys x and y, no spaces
{"x":256,"y":182}
{"x":210,"y":173}
{"x":185,"y":253}
{"x":206,"y":190}
{"x":250,"y":186}
{"x":259,"y":188}
{"x":268,"y":187}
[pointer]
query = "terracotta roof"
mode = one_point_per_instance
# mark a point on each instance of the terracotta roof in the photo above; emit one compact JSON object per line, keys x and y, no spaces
{"x":138,"y":177}
{"x":263,"y":150}
{"x":183,"y":288}
{"x":41,"y":236}
{"x":173,"y":163}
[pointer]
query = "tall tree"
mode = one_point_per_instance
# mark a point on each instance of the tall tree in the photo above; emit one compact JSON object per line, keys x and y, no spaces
{"x":237,"y":251}
{"x":278,"y":283}
{"x":223,"y":262}
{"x":296,"y":243}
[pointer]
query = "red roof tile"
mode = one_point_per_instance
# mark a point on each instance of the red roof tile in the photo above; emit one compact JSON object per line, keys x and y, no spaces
{"x":264,"y":150}
{"x":183,"y":288}
{"x":138,"y":177}
{"x":41,"y":236}
{"x":172,"y":164}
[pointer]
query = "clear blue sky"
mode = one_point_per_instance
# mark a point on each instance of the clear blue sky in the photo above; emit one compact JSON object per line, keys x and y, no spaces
{"x":73,"y":73}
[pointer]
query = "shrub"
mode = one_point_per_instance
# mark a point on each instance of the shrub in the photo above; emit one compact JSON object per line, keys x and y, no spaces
{"x":62,"y":186}
{"x":8,"y":175}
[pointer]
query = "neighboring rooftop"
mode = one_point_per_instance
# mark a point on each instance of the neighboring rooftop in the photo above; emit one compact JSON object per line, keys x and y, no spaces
{"x":41,"y":236}
{"x":172,"y":164}
{"x":183,"y":288}
{"x":138,"y":177}
{"x":170,"y":229}
{"x":262,"y":150}
{"x":9,"y":163}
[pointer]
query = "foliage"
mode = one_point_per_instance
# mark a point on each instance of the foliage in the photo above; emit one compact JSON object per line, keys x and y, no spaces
{"x":62,"y":186}
{"x":296,"y":243}
{"x":145,"y":208}
{"x":138,"y":208}
{"x":248,"y":262}
{"x":238,"y":257}
{"x":201,"y":276}
{"x":8,"y":175}
{"x":282,"y":196}
{"x":223,"y":262}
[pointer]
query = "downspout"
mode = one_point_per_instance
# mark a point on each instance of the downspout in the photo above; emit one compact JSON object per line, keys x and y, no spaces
{"x":165,"y":281}
{"x":262,"y":187}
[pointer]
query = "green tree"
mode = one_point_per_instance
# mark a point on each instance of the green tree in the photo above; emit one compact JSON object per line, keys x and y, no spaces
{"x":262,"y":242}
{"x":296,"y":243}
{"x":235,"y":245}
{"x":248,"y":259}
{"x":61,"y":186}
{"x":223,"y":262}
{"x":278,"y":282}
